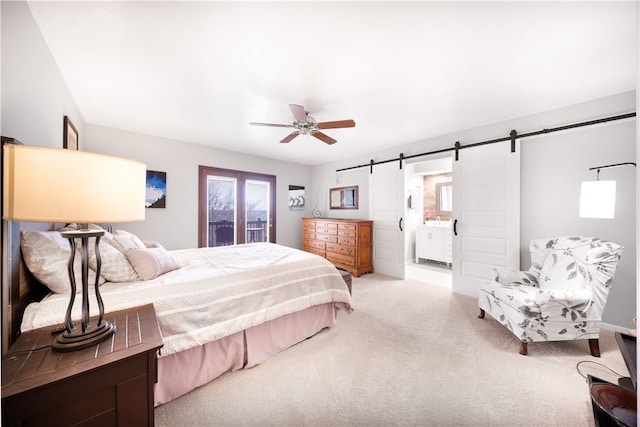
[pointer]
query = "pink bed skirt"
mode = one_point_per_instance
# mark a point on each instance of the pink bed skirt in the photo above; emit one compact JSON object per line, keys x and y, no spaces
{"x":182,"y":372}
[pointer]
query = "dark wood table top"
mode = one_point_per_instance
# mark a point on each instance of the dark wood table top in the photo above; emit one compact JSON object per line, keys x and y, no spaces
{"x":30,"y":362}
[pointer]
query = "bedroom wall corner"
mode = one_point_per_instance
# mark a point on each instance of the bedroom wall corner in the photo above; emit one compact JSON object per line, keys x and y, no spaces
{"x":35,"y":97}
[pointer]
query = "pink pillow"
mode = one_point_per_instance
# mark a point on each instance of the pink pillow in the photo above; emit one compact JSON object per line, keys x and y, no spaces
{"x":150,"y":263}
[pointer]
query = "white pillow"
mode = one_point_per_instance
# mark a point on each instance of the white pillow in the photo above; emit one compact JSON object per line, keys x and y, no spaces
{"x":46,"y":254}
{"x":149,"y":263}
{"x":123,"y":241}
{"x":114,"y":267}
{"x":561,"y":271}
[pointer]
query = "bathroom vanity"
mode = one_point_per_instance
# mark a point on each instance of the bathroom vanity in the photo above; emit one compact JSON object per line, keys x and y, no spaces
{"x":434,"y":241}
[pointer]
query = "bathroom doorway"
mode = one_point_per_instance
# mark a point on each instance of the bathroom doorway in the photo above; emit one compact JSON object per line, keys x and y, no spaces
{"x":428,"y":231}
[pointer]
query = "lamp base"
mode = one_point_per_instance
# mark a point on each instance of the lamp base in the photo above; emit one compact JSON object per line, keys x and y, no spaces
{"x":77,"y":340}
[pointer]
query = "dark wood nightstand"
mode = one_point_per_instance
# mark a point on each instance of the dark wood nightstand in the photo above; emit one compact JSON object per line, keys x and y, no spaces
{"x":109,"y":384}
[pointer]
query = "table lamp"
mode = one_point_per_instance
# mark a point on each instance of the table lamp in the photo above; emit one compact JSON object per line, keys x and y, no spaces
{"x":44,"y":184}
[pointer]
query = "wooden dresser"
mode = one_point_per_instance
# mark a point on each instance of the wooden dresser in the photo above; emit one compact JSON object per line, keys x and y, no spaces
{"x":109,"y":384}
{"x":344,"y":242}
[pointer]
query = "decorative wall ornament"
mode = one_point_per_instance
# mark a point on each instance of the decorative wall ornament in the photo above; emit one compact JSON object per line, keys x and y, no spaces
{"x":317,"y":213}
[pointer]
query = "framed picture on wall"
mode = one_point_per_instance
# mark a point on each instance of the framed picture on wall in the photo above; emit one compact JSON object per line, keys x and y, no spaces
{"x":343,"y":197}
{"x":296,"y":197}
{"x":69,"y":135}
{"x":156,"y":194}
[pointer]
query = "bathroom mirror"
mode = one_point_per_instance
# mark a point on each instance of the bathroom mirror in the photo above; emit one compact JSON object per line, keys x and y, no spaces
{"x":444,"y":196}
{"x":343,"y":197}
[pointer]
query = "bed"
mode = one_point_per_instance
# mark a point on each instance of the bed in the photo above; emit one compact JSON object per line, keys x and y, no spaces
{"x":219,"y":309}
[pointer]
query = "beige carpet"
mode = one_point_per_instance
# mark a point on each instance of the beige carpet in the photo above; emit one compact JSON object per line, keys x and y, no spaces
{"x":411,"y":353}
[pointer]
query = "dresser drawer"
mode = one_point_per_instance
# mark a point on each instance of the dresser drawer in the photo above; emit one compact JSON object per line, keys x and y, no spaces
{"x":326,"y":224}
{"x":327,"y":238}
{"x":347,"y":233}
{"x":351,"y":241}
{"x":327,"y":227}
{"x":324,"y":230}
{"x":351,"y":227}
{"x":341,"y":259}
{"x":339,"y":249}
{"x":313,"y":244}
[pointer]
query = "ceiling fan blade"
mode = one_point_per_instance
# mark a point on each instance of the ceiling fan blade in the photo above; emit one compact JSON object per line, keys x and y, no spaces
{"x":324,"y":137}
{"x":270,"y":124}
{"x":337,"y":124}
{"x":290,"y":137}
{"x":298,"y":112}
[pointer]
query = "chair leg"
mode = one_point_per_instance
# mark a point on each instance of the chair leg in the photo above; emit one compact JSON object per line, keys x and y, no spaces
{"x":523,"y":348}
{"x":594,"y":346}
{"x":481,"y":315}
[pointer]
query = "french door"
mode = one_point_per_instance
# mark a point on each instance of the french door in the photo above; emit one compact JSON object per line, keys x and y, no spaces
{"x":235,"y":207}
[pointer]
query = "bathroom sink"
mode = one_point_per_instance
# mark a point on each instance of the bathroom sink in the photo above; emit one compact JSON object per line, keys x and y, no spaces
{"x":438,"y":223}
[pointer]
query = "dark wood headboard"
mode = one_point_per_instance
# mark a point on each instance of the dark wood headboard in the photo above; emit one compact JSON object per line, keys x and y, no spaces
{"x":19,"y":287}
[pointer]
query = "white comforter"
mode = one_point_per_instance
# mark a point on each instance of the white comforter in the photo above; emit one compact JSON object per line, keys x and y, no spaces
{"x":216,"y":292}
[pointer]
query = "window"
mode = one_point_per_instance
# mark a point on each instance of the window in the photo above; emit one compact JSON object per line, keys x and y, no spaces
{"x":235,"y":207}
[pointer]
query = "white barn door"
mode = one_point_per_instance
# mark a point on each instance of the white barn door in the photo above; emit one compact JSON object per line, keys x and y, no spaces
{"x":486,"y":213}
{"x":386,"y":209}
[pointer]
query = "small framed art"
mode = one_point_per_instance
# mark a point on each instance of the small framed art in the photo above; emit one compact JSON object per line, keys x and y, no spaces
{"x":69,"y":135}
{"x":156,"y":189}
{"x":296,"y":197}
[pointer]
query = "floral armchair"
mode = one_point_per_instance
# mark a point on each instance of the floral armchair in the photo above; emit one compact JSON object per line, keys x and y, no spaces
{"x":561,"y":297}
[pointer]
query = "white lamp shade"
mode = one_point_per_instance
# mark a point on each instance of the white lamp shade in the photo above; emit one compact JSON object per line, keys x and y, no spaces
{"x":56,"y":185}
{"x":598,"y":199}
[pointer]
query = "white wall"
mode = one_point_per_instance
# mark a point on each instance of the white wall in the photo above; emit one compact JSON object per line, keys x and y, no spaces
{"x":35,"y":97}
{"x":176,"y":226}
{"x":325,"y":177}
{"x":553,"y":166}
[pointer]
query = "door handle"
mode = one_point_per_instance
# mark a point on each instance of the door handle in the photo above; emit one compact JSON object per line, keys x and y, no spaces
{"x":455,"y":227}
{"x":400,"y":224}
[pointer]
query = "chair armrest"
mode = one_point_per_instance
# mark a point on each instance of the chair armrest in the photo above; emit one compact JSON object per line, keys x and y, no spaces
{"x":576,"y":296}
{"x":542,"y":296}
{"x":506,"y":276}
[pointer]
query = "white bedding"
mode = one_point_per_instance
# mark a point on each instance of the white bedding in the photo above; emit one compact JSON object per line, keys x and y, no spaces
{"x":216,"y":292}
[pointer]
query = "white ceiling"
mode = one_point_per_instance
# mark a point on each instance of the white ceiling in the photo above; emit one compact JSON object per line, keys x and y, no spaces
{"x":405,"y":72}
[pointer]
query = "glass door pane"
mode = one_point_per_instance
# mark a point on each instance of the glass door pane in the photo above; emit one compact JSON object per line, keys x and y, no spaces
{"x":221,"y":211}
{"x":257,"y":211}
{"x":235,"y":207}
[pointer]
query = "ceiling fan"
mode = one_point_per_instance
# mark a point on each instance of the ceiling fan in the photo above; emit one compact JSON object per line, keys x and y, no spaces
{"x":305,"y":124}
